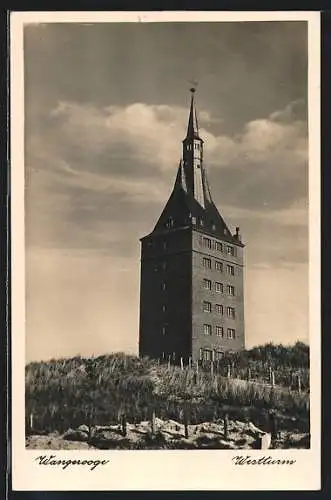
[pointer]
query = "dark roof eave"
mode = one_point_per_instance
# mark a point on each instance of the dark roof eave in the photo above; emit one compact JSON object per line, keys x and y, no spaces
{"x":229,"y":239}
{"x":165,"y":231}
{"x":213,"y":234}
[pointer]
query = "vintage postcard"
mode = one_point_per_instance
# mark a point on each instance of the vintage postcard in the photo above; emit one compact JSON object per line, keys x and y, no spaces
{"x":165,"y":185}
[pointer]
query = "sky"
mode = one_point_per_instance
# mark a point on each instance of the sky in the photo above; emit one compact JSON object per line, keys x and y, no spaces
{"x":106,"y":109}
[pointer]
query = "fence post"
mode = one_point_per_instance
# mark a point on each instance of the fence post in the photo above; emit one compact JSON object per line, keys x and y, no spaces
{"x":273,"y":425}
{"x":124,"y":430}
{"x":212,"y":368}
{"x":249,"y":375}
{"x":169,"y":361}
{"x":181,"y":364}
{"x":272,"y":378}
{"x":153,"y":422}
{"x":197,"y":367}
{"x":90,"y":425}
{"x":269,"y":375}
{"x":299,"y":383}
{"x":31,"y":421}
{"x":186,"y":423}
{"x":226,"y":427}
{"x":229,"y":371}
{"x":190,"y":362}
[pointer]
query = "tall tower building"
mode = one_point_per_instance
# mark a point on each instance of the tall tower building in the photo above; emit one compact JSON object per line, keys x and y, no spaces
{"x":191,"y":288}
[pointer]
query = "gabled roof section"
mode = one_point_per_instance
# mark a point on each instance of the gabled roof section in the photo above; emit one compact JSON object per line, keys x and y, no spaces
{"x":190,"y":203}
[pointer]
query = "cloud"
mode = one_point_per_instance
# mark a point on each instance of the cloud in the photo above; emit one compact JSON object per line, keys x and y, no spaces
{"x":295,"y":111}
{"x":142,"y":139}
{"x":100,"y":169}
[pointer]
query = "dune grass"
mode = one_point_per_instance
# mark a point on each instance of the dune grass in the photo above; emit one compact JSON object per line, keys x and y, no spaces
{"x":69,"y":392}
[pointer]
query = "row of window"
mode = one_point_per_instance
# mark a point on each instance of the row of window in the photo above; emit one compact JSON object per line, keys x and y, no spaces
{"x":219,"y":309}
{"x":205,"y":355}
{"x":206,"y":262}
{"x":207,"y":330}
{"x":207,"y":242}
{"x":196,"y":146}
{"x":219,"y":287}
{"x":219,"y":331}
{"x":207,"y":284}
{"x":217,"y":245}
{"x":209,"y":355}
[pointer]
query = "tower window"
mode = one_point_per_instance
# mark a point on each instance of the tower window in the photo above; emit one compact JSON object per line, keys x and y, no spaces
{"x":163,"y":286}
{"x":206,"y":263}
{"x":198,"y":165}
{"x":164,"y":330}
{"x":194,"y":220}
{"x":218,"y":246}
{"x":201,"y":222}
{"x":164,"y":266}
{"x":207,"y":355}
{"x":207,"y":329}
{"x":207,"y":242}
{"x":219,"y":354}
{"x":207,"y":306}
{"x":219,"y":331}
{"x":164,"y":308}
{"x":230,"y":270}
{"x":231,"y":312}
{"x":164,"y":245}
{"x":207,"y":284}
{"x":231,"y":333}
{"x":231,"y":250}
{"x":219,"y":309}
{"x":231,"y":290}
{"x":169,"y":223}
{"x":219,"y":266}
{"x":219,"y":287}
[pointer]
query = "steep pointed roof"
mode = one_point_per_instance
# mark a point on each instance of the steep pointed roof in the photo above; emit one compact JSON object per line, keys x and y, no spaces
{"x":190,"y":203}
{"x":192,"y":127}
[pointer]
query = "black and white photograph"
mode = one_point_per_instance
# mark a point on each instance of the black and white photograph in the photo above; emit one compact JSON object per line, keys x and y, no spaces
{"x":168,"y":198}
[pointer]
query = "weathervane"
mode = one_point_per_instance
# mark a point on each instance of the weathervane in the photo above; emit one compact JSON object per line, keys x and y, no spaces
{"x":194,"y":84}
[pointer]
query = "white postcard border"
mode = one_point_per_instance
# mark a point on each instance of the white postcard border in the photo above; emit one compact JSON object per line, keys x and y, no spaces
{"x":160,"y":470}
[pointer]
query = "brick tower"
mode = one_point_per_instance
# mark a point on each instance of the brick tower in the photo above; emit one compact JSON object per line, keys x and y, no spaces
{"x":191,"y":287}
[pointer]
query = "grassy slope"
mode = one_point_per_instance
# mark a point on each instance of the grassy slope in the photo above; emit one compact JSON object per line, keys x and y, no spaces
{"x":61,"y":393}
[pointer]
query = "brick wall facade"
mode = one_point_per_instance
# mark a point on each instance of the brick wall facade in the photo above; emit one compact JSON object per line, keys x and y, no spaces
{"x":218,"y":296}
{"x":165,"y":290}
{"x":173,"y":292}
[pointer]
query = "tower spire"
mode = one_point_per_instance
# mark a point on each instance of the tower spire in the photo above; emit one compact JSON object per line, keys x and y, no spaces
{"x":192,"y":127}
{"x":190,"y":202}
